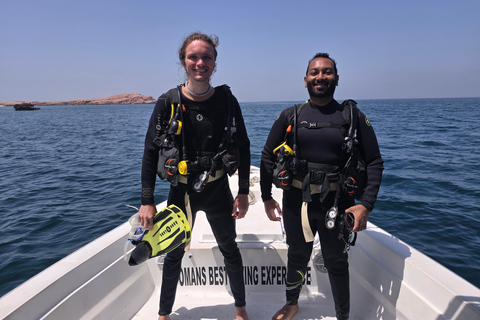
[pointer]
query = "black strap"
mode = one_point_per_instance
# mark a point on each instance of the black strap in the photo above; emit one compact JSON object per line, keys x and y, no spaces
{"x":350,"y":113}
{"x":322,"y":177}
{"x":319,"y":125}
{"x":231,"y":124}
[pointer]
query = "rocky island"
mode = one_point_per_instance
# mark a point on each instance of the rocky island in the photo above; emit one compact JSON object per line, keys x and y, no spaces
{"x":128,"y":98}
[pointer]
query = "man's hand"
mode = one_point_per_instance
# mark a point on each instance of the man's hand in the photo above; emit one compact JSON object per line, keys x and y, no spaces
{"x":361,"y":217}
{"x":270,"y":207}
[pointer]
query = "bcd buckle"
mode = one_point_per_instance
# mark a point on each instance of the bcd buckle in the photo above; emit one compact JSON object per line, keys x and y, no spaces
{"x":317,"y":177}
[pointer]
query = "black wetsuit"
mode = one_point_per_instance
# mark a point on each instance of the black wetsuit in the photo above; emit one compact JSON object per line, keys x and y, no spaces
{"x":323,"y":146}
{"x":204,"y":128}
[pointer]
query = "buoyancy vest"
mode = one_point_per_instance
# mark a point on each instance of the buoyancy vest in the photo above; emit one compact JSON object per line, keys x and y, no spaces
{"x":175,"y":164}
{"x":289,"y":166}
{"x":322,"y":178}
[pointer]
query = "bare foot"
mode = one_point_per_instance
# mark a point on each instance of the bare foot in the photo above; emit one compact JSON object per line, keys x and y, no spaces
{"x":166,"y":317}
{"x":241,"y":313}
{"x":286,"y":313}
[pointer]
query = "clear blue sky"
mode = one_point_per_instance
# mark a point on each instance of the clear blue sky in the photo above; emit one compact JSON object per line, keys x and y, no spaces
{"x":54,"y":50}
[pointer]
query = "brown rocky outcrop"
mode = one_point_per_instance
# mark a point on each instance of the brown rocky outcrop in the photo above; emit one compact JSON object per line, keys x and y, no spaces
{"x":128,"y":98}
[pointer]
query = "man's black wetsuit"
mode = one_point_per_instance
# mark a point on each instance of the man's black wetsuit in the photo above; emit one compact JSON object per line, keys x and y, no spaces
{"x":323,"y":146}
{"x":204,"y":128}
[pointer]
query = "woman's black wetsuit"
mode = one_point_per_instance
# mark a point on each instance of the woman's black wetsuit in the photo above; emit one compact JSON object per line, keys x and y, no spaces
{"x":204,"y":128}
{"x":322,"y":146}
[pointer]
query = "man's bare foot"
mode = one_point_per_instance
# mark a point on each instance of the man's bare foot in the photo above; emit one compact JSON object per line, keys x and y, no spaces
{"x":166,"y":317}
{"x":286,"y":313}
{"x":241,"y":313}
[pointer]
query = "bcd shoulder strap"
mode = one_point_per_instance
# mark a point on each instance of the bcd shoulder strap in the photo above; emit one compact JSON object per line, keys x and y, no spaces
{"x":354,"y":173}
{"x":350,"y":109}
{"x":290,"y":112}
{"x":172,"y":96}
{"x":230,"y":118}
{"x":350,"y":114}
{"x":172,"y":99}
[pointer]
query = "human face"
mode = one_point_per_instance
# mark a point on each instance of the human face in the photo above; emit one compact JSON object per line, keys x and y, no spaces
{"x":199,"y":61}
{"x":321,"y":79}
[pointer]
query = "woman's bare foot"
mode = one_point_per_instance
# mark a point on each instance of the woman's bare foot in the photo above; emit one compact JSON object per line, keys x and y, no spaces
{"x":241,"y":313}
{"x":286,"y":313}
{"x":166,"y":317}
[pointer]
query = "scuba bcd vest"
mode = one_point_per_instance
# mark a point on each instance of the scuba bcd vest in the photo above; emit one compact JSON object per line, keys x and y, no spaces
{"x":324,"y":178}
{"x":170,"y":135}
{"x":352,"y":177}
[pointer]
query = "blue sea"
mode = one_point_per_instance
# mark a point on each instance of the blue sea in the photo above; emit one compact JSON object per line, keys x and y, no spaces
{"x":68,"y":172}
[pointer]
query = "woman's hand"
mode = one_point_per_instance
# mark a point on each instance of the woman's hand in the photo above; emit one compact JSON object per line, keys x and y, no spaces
{"x":240,"y":206}
{"x":146,"y":214}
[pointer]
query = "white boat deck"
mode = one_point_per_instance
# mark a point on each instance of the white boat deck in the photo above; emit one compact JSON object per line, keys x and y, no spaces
{"x":389,"y":280}
{"x":208,"y":297}
{"x":260,"y":306}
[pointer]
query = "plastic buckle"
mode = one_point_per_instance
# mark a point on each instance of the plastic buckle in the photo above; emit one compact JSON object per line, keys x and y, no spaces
{"x":317,"y":177}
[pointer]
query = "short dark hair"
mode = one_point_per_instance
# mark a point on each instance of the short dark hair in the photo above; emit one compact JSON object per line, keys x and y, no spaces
{"x":322,"y":55}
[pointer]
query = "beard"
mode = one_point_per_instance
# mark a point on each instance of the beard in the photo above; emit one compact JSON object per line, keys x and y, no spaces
{"x":328,"y":92}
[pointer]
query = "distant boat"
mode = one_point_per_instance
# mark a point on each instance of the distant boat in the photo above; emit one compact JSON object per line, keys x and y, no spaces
{"x":25,"y":107}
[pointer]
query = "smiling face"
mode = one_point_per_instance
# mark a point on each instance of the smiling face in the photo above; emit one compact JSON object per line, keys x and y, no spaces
{"x":321,"y":79}
{"x":199,"y":61}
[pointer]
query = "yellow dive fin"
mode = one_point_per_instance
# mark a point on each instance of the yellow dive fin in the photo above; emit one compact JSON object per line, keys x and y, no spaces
{"x":170,"y":230}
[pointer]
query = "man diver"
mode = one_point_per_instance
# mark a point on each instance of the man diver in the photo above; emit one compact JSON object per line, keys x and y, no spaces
{"x":317,"y":184}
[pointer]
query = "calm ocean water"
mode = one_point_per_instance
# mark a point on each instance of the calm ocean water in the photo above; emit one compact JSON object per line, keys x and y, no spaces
{"x":67,"y":173}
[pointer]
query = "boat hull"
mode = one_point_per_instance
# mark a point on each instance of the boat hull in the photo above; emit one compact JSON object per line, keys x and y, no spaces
{"x":389,"y":279}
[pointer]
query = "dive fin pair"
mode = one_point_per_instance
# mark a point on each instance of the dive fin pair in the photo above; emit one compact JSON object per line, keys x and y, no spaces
{"x":170,"y":230}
